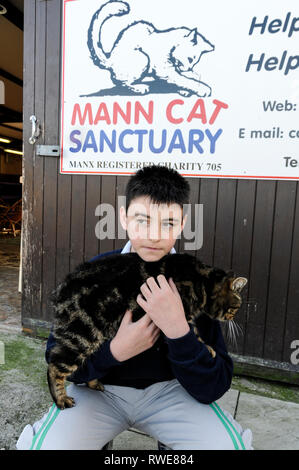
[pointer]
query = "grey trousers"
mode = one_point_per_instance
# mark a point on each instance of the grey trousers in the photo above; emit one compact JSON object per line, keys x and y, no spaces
{"x":163,"y":410}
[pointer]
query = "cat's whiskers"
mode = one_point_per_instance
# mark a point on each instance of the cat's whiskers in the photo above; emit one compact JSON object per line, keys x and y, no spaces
{"x":238,"y":328}
{"x":228,"y":331}
{"x":233,"y":330}
{"x":232,"y":333}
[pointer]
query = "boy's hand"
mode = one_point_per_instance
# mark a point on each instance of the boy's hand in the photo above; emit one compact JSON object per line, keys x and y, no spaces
{"x":133,"y":338}
{"x":164,"y":306}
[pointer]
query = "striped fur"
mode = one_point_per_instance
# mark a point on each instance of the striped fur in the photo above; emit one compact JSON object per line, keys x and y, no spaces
{"x":90,"y":303}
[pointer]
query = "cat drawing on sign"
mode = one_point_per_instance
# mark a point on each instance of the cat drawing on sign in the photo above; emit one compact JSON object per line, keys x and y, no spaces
{"x":166,"y":58}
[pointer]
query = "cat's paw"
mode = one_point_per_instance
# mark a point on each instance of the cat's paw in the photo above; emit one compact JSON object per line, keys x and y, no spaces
{"x":211,"y":350}
{"x":185,"y":92}
{"x":96,"y":385}
{"x":139,"y":89}
{"x":204,"y":91}
{"x":65,"y":402}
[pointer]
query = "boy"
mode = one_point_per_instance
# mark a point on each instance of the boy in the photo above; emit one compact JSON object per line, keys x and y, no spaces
{"x":158,"y":377}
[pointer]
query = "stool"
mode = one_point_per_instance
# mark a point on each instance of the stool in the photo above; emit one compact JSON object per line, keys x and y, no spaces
{"x":161,"y":446}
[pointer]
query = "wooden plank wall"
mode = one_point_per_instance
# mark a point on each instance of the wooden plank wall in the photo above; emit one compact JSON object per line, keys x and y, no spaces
{"x":249,"y":226}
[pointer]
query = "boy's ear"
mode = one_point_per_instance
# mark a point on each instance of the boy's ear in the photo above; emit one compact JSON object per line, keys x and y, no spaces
{"x":123,"y":217}
{"x":184,"y":221}
{"x":183,"y":224}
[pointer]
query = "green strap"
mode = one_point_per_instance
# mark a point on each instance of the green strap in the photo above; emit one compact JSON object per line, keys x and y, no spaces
{"x":232,"y":426}
{"x":47,"y":429}
{"x":41,"y":434}
{"x":225,"y":425}
{"x":42,"y":427}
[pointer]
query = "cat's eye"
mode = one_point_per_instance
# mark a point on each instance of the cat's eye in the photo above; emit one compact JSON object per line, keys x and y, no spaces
{"x":190,"y":60}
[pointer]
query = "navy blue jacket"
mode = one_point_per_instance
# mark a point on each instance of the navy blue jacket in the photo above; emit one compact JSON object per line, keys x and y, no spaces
{"x":185,"y":358}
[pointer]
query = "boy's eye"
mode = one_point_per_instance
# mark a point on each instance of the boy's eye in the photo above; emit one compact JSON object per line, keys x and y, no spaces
{"x":164,"y":224}
{"x":168,"y":224}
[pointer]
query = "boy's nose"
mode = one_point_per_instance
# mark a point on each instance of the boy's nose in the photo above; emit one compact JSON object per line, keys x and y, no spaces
{"x":154,"y":233}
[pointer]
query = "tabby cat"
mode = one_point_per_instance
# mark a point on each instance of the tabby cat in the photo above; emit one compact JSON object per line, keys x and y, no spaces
{"x":90,"y":303}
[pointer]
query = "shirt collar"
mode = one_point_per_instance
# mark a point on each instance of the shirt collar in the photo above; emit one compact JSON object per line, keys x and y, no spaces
{"x":127,"y":248}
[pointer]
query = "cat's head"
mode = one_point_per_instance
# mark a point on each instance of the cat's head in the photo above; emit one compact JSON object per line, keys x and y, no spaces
{"x":225,"y":298}
{"x":187,"y":52}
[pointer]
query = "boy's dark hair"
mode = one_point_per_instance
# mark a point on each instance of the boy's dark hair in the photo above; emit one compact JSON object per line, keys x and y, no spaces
{"x":161,"y":184}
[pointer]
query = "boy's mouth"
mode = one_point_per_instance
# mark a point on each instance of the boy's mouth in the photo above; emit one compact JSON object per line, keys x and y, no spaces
{"x":151,"y":248}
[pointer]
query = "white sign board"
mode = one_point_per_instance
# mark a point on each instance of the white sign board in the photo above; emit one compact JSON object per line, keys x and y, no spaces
{"x":210,"y":89}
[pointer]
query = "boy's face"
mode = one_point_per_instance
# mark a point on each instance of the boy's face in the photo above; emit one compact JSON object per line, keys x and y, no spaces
{"x":152,"y":228}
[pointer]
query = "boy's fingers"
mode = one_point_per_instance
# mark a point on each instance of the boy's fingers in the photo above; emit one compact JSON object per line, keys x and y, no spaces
{"x":162,"y":280}
{"x":155,"y":338}
{"x":173,"y":287}
{"x":146,"y":319}
{"x":152,"y":326}
{"x":151,"y":285}
{"x":127,"y":318}
{"x":140,"y":300}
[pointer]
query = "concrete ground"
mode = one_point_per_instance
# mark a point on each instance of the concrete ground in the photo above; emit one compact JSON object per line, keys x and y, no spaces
{"x":269,"y":409}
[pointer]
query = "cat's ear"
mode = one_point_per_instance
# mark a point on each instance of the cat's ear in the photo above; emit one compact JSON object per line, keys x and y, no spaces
{"x":193,"y":36}
{"x":239,"y":283}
